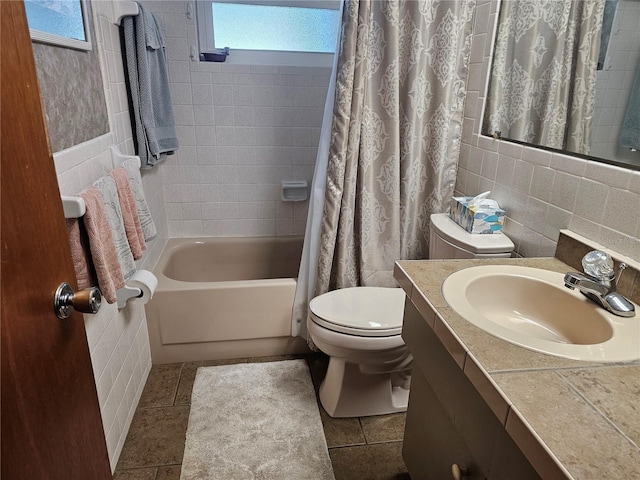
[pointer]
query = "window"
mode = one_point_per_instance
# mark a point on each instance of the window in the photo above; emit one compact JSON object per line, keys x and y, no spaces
{"x":271,"y":32}
{"x":59,"y":22}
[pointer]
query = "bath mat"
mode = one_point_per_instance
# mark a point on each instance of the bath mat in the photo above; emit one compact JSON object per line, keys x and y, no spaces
{"x":255,"y":421}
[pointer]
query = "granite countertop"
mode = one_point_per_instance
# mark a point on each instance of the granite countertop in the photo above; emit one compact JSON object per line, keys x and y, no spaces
{"x":571,"y":419}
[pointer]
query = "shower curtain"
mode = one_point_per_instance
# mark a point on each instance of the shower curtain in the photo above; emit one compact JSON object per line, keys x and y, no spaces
{"x":543,"y":75}
{"x":393,"y":144}
{"x":630,"y":132}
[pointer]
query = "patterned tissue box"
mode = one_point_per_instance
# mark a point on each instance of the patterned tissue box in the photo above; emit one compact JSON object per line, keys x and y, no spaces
{"x":476,"y":219}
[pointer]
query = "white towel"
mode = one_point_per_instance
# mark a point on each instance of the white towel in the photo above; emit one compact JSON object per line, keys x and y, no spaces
{"x":132,"y":165}
{"x":109,"y":190}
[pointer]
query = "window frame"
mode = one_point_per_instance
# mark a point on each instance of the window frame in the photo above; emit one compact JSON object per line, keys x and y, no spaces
{"x":262,"y":57}
{"x":63,"y":41}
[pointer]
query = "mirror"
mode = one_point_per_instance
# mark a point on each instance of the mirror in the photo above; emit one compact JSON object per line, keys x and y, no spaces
{"x":565,"y":76}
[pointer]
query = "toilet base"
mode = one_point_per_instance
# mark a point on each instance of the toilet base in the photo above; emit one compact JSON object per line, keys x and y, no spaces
{"x":347,"y":392}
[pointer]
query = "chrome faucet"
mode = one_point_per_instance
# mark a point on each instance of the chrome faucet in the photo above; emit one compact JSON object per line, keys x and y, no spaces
{"x":599,"y":283}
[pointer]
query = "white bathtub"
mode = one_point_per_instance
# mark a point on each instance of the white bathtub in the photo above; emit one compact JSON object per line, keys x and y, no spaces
{"x":223,"y":298}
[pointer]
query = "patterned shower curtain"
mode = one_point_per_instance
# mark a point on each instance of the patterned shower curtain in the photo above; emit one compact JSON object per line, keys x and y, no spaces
{"x":543,"y":76}
{"x":395,"y":138}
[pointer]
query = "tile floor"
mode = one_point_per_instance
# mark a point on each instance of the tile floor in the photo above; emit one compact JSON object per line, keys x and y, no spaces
{"x":366,"y":448}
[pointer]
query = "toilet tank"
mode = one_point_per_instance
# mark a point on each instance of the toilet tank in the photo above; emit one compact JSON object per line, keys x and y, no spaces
{"x":447,"y":240}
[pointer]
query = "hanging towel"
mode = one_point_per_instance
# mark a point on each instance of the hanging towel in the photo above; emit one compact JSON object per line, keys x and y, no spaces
{"x":130,"y":217}
{"x":85,"y":275}
{"x":109,"y":191}
{"x":149,"y":88}
{"x":630,"y":132}
{"x":103,"y":249}
{"x":132,"y":166}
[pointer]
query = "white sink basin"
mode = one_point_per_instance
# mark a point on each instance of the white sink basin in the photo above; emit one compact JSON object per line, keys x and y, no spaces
{"x":532,"y":308}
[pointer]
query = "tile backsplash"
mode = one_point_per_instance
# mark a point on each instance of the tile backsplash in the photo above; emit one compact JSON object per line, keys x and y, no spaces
{"x":542,"y":191}
{"x":571,"y":249}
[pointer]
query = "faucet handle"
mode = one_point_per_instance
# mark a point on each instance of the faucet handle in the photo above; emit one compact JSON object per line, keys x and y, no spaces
{"x":621,"y":268}
{"x":599,"y":265}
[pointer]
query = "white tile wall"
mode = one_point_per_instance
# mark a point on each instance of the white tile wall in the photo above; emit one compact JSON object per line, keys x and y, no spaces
{"x":242,"y":130}
{"x":118,"y":340}
{"x":541,"y":191}
{"x":614,"y":83}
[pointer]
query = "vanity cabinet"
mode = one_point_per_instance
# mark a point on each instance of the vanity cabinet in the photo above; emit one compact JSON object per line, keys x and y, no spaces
{"x":448,"y":422}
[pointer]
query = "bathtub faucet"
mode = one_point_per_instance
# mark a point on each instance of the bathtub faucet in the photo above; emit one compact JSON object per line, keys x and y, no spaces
{"x":599,"y":283}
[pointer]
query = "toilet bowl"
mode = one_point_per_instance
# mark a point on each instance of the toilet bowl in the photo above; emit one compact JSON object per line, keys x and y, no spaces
{"x":360,"y":328}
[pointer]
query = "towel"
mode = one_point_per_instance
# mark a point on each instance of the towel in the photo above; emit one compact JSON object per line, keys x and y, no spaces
{"x":149,"y":88}
{"x":107,"y":187}
{"x":130,"y":217}
{"x":132,"y":166}
{"x":85,"y":275}
{"x":101,"y":244}
{"x":630,"y":132}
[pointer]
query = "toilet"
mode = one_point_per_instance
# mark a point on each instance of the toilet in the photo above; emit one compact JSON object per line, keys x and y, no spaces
{"x":360,"y":328}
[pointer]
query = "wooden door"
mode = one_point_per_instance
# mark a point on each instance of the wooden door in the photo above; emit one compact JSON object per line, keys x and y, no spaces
{"x":51,"y":426}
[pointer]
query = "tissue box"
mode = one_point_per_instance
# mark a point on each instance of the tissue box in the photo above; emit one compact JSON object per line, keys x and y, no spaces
{"x":476,"y":219}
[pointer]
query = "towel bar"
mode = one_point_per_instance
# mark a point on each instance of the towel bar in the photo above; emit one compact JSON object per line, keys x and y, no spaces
{"x":73,"y":207}
{"x":124,"y":8}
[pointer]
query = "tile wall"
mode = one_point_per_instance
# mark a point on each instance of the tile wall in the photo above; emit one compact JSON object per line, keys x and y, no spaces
{"x":118,"y":339}
{"x":541,"y":191}
{"x":242,"y":130}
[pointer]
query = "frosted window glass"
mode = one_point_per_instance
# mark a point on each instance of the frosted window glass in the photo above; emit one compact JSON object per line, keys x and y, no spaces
{"x":291,"y":29}
{"x":57,"y":17}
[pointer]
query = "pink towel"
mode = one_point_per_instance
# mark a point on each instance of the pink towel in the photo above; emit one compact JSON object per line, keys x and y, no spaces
{"x":132,"y":226}
{"x":80,"y":254}
{"x":102,"y":246}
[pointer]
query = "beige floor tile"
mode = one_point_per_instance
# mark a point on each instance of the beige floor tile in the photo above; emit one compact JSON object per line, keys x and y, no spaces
{"x":382,"y":461}
{"x":187,"y":376}
{"x":160,"y":389}
{"x":383,"y":428}
{"x":171,"y":472}
{"x":135,"y":474}
{"x":341,"y":432}
{"x":156,"y":437}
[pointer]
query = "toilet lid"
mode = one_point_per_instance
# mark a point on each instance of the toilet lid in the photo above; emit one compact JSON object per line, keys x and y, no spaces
{"x":362,"y":311}
{"x":474,"y":243}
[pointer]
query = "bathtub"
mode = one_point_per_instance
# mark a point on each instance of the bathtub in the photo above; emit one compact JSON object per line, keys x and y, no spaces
{"x":221,"y":298}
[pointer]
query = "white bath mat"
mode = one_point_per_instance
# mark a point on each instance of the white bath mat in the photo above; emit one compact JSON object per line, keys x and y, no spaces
{"x":255,"y":421}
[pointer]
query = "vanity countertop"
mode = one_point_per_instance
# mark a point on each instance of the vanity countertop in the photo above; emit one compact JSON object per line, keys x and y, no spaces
{"x":571,"y":419}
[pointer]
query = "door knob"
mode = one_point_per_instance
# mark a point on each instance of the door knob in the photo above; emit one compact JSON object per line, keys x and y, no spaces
{"x":85,"y":301}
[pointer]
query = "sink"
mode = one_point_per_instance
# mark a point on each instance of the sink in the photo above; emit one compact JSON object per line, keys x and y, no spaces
{"x":532,"y":308}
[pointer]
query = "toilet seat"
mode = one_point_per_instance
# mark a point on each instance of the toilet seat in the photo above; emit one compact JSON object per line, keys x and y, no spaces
{"x":360,"y":311}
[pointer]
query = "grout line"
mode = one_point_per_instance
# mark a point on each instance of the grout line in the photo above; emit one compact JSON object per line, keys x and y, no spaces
{"x":591,"y":366}
{"x":602,"y":414}
{"x":363,"y":444}
{"x":364,"y":434}
{"x":175,"y":393}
